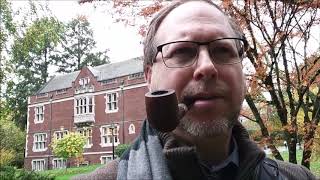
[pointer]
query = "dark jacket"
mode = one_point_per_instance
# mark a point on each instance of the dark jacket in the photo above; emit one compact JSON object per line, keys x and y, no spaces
{"x":184,"y":164}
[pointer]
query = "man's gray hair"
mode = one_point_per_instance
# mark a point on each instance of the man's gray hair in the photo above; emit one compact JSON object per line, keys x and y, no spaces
{"x":150,"y":47}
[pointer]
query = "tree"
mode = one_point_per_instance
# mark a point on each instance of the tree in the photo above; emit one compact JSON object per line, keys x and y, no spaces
{"x":32,"y":56}
{"x":77,"y":47}
{"x":7,"y":30}
{"x":34,"y":50}
{"x":12,"y":141}
{"x":283,"y":65}
{"x":70,"y":146}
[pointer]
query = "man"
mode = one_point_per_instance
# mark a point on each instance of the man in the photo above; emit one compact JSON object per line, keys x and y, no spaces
{"x":195,"y":49}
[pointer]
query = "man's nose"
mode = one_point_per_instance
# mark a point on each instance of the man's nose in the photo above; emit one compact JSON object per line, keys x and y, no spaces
{"x":205,"y":68}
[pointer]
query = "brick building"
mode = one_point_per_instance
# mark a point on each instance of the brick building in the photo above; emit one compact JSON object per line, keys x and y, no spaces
{"x":94,"y":101}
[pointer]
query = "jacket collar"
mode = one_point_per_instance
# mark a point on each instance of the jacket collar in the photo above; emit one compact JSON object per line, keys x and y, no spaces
{"x":183,"y":157}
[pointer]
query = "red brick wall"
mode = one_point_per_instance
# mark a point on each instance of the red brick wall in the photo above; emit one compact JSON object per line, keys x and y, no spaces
{"x":62,"y":115}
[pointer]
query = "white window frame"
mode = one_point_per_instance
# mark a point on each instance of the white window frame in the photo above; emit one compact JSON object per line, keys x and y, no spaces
{"x":37,"y":139}
{"x":38,"y":114}
{"x":61,"y":91}
{"x":84,"y":132}
{"x":132,"y":129}
{"x":110,"y":101}
{"x":38,"y":167}
{"x":109,"y":81}
{"x":107,"y":157}
{"x":60,"y":134}
{"x":42,"y":95}
{"x":84,"y":81}
{"x":60,"y":163}
{"x":106,"y":136}
{"x":82,"y":105}
{"x":136,"y":75}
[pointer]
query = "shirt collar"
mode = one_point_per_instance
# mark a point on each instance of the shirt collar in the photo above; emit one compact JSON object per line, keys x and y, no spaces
{"x":232,"y":158}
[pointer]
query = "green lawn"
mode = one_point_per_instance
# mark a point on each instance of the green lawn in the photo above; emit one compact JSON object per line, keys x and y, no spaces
{"x":63,"y":174}
{"x":314,"y":165}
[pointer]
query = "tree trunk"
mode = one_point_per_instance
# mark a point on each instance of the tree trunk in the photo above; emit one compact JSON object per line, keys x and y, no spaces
{"x":309,"y":129}
{"x":292,"y":147}
{"x":264,"y":130}
{"x":307,"y":146}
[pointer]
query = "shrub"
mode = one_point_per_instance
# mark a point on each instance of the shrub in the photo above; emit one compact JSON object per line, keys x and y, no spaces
{"x":70,"y":146}
{"x":6,"y":157}
{"x":7,"y":172}
{"x":11,"y":173}
{"x":121,"y":148}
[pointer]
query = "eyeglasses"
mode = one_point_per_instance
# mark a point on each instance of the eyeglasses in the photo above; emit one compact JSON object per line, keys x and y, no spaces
{"x":223,"y":51}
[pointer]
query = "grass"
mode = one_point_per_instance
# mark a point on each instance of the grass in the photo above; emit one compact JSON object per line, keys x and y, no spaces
{"x":63,"y":174}
{"x":314,"y":164}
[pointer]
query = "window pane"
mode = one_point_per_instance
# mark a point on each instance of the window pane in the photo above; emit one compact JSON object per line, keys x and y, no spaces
{"x":90,"y":100}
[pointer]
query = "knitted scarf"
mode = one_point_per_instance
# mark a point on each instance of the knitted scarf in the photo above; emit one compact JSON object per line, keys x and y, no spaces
{"x":145,"y":159}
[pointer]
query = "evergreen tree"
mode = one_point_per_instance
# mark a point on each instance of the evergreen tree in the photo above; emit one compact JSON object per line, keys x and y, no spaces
{"x":77,"y":47}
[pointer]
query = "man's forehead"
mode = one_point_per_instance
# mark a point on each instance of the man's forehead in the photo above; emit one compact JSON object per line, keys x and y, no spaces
{"x":193,"y":12}
{"x":198,"y":8}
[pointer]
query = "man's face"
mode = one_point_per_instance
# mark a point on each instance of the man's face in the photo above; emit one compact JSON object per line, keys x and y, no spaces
{"x":216,"y":91}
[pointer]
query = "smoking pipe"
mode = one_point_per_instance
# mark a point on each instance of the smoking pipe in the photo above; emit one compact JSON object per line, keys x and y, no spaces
{"x":163,"y":111}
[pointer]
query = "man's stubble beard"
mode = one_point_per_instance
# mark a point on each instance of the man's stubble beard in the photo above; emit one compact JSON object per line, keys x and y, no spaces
{"x":213,"y":127}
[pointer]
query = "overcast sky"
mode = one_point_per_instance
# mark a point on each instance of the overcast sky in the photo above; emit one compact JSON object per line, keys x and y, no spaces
{"x":122,"y":41}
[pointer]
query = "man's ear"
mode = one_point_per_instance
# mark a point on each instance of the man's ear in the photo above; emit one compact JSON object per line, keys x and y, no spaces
{"x":148,"y":74}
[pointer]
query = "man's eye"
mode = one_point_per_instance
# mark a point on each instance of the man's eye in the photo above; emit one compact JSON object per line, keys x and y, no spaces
{"x":184,"y":52}
{"x":223,"y":53}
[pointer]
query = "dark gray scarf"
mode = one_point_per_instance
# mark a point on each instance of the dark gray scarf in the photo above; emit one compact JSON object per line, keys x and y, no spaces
{"x":145,"y":159}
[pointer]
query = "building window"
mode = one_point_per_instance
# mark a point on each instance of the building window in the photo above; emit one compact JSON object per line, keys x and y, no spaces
{"x":84,"y":105}
{"x":39,"y":114}
{"x":38,"y":164}
{"x":61,"y":91}
{"x":59,"y":163}
{"x":60,"y":134}
{"x":105,"y":159}
{"x":39,"y":142}
{"x":108,"y":81}
{"x":136,"y":75}
{"x":42,"y":95}
{"x":132,"y":129}
{"x":84,"y":81}
{"x":111,"y":102}
{"x":106,"y":135}
{"x":87,"y":133}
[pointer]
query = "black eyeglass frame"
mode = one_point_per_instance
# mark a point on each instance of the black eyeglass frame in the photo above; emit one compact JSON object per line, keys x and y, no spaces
{"x":245,"y":47}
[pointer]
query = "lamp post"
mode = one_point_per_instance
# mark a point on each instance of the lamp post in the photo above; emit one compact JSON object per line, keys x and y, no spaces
{"x":112,"y":139}
{"x":50,"y":131}
{"x":122,"y":94}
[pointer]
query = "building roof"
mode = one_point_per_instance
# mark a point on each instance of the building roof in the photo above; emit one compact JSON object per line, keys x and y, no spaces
{"x":102,"y":72}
